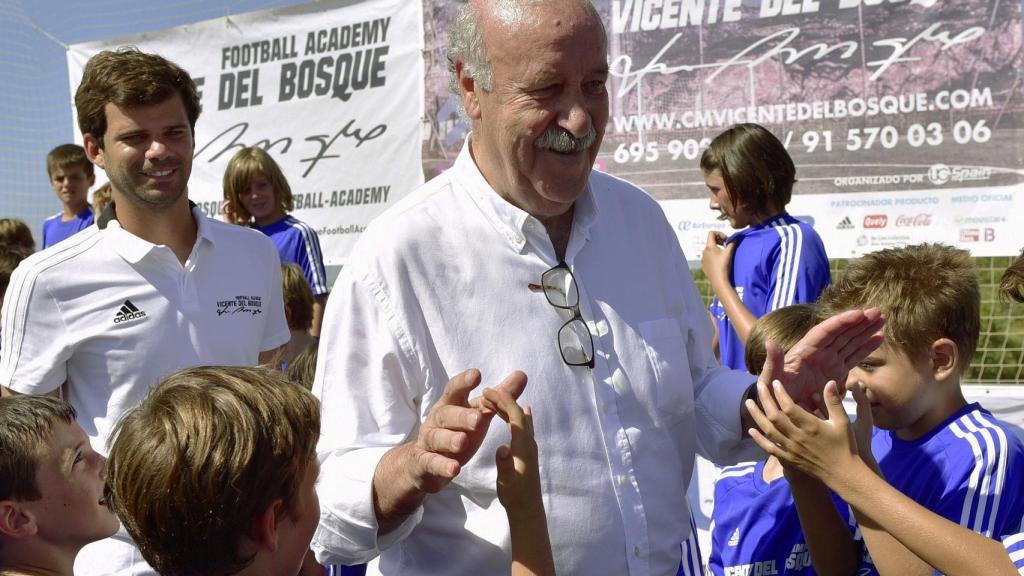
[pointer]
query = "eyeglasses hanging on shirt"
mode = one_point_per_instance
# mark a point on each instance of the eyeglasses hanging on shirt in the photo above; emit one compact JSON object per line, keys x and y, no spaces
{"x":574,"y":340}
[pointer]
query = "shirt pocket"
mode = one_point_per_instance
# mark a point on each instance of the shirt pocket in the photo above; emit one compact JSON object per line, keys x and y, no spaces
{"x":666,"y":351}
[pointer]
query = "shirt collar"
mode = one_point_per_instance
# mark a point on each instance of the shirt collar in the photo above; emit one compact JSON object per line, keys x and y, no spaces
{"x":132,"y":248}
{"x":513,"y":223}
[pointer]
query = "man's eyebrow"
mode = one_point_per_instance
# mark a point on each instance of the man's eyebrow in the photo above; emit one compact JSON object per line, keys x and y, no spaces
{"x":129,"y":132}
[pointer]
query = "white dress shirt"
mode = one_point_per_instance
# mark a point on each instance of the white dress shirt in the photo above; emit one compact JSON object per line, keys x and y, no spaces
{"x":439,"y":284}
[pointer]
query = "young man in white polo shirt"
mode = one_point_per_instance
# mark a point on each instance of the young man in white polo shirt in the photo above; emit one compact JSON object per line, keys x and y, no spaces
{"x":154,"y":287}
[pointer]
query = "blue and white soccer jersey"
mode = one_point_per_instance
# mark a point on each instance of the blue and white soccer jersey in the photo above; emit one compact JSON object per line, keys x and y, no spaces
{"x":1015,"y":548}
{"x":755,"y":528}
{"x":298,"y":243}
{"x":55,"y":229}
{"x":778,"y":262}
{"x":969,"y":470}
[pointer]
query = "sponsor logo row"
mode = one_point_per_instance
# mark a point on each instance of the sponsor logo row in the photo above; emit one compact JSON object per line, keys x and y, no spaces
{"x":919,"y":220}
{"x":970,"y":228}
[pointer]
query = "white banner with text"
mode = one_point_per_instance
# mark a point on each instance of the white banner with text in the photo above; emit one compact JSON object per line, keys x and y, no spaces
{"x":333,"y":90}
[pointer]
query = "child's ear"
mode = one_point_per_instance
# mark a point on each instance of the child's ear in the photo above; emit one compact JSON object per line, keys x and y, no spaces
{"x":945,"y":358}
{"x":15,"y":522}
{"x":265,"y":526}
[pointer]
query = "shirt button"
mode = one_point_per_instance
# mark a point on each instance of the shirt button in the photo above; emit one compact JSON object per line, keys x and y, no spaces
{"x":636,"y":551}
{"x":604,"y":409}
{"x":622,"y":480}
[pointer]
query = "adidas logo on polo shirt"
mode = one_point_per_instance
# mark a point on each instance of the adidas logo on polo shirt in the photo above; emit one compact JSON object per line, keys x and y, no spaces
{"x":734,"y":540}
{"x":128,"y":312}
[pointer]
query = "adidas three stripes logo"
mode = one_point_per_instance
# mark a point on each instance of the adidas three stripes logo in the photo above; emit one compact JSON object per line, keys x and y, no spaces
{"x":128,"y":312}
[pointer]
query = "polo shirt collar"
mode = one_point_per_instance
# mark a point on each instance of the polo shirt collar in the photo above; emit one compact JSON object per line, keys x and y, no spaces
{"x":132,"y":248}
{"x":513,"y":223}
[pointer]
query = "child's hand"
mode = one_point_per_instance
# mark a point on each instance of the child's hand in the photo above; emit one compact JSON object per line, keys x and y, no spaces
{"x":800,"y":439}
{"x":717,"y":257}
{"x":863,"y":427}
{"x":518,"y":475}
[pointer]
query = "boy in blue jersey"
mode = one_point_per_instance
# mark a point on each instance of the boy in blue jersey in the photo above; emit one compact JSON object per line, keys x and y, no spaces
{"x":756,"y":526}
{"x":71,"y":175}
{"x":257,"y":194}
{"x":774,"y":260}
{"x":950,"y":457}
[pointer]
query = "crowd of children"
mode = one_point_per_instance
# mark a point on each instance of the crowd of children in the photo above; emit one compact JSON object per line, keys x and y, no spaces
{"x":214,"y":472}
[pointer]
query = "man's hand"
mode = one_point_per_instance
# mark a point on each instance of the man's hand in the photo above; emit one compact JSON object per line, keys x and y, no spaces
{"x":827,"y":352}
{"x":716,"y":258}
{"x":450,"y":435}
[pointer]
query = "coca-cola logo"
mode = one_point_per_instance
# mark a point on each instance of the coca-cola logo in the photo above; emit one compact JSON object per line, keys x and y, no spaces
{"x":914,"y":220}
{"x":876,"y":221}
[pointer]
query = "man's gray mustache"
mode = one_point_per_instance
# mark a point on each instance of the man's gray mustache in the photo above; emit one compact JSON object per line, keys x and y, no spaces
{"x":561,"y":140}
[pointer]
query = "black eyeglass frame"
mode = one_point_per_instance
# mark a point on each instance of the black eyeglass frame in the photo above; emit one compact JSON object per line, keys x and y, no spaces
{"x":576,"y":315}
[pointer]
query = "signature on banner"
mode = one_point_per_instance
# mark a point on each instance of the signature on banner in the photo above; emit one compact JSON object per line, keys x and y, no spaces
{"x":779,"y":45}
{"x":231,"y":139}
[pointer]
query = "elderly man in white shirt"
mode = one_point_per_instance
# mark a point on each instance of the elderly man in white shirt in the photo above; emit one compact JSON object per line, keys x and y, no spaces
{"x":521,"y":257}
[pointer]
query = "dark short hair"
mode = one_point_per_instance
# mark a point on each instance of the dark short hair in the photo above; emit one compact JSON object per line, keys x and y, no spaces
{"x":217,"y":445}
{"x":1011,"y":285}
{"x":755,"y":167}
{"x":15,"y":233}
{"x":785,"y":326}
{"x":10,"y":257}
{"x":129,"y":78}
{"x":68,"y":155}
{"x":26,"y":427}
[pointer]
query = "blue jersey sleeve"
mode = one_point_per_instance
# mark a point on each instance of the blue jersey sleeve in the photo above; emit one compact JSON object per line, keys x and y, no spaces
{"x":1015,"y":548}
{"x":799,"y":270}
{"x":312,"y":260}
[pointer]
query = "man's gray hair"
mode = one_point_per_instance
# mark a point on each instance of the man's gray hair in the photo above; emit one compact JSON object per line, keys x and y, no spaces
{"x":466,"y":43}
{"x":466,"y":40}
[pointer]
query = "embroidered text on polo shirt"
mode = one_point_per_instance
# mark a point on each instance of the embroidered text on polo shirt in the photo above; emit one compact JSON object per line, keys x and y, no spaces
{"x":128,"y":312}
{"x":240,"y":305}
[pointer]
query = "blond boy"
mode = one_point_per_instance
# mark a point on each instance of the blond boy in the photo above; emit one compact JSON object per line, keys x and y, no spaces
{"x":951,"y":457}
{"x":214,"y":473}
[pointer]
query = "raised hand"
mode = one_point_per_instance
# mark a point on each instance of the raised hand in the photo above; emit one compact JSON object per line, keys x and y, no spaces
{"x":716,"y":257}
{"x":449,"y":436}
{"x":800,"y":439}
{"x":864,"y":427}
{"x":519,"y":489}
{"x":827,"y":352}
{"x":518,"y":475}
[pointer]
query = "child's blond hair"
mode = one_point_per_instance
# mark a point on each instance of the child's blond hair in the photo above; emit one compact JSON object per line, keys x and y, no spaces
{"x":207,"y":452}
